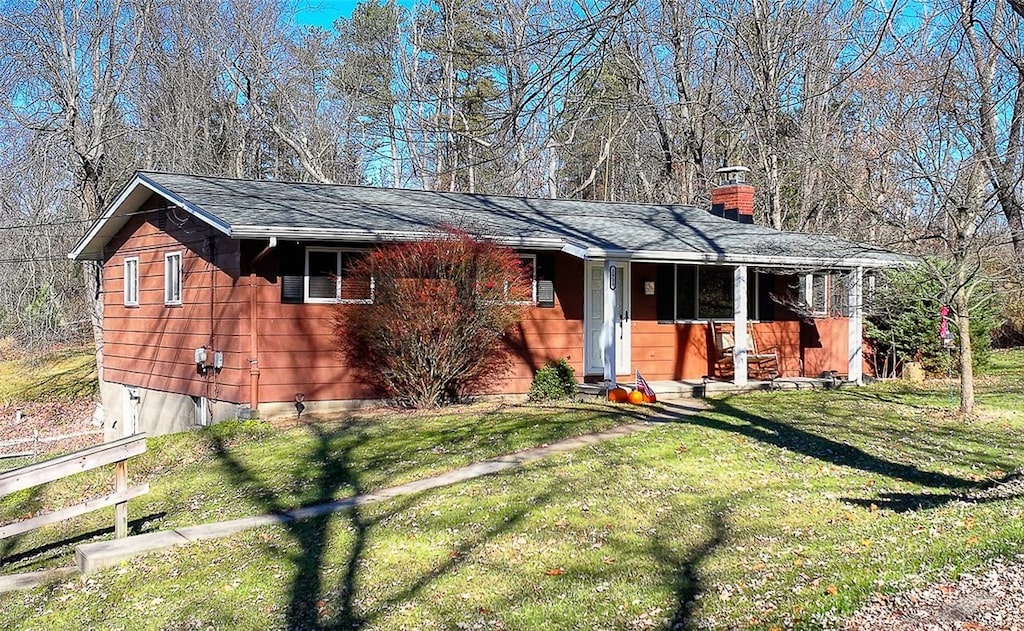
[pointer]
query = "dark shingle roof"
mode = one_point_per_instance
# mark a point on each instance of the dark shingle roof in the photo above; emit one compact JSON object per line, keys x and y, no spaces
{"x":251,"y":209}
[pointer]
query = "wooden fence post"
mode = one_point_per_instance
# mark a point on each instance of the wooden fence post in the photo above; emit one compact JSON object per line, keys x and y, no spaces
{"x":121,"y":508}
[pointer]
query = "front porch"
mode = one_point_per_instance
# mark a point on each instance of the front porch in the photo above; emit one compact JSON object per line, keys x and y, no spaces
{"x":733,"y":323}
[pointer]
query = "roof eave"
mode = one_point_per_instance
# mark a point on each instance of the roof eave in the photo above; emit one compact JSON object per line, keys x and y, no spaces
{"x":382,"y":236}
{"x":90,"y":247}
{"x":782,"y":261}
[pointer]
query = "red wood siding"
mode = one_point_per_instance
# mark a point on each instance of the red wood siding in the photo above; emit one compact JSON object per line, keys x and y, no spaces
{"x":550,"y":333}
{"x":298,"y":350}
{"x":152,"y":345}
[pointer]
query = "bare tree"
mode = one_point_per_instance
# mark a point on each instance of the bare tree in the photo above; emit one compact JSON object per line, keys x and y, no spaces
{"x":985,"y":55}
{"x":67,"y":67}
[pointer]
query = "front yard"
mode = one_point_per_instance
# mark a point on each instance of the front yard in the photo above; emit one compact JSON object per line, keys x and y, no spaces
{"x":768,"y":511}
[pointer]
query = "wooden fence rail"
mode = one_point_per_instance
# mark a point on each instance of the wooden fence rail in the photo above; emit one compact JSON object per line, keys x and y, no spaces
{"x":116,"y":452}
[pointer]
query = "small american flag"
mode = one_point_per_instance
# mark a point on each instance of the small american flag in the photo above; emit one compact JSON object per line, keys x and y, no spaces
{"x":642,"y":386}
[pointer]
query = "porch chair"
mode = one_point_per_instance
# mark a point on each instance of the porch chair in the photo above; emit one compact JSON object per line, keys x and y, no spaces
{"x":761,"y":363}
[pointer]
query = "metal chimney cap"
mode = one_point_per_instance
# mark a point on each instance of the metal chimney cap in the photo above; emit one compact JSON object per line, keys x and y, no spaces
{"x":732,"y":175}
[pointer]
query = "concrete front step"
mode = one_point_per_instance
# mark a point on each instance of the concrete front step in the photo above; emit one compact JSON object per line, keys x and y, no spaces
{"x":699,"y":388}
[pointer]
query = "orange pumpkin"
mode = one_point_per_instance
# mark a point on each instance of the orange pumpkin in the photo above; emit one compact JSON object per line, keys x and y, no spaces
{"x":636,"y":397}
{"x":650,"y":398}
{"x":617,"y":395}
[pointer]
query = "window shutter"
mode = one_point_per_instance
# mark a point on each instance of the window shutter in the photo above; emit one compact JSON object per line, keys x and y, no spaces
{"x":545,"y":280}
{"x":291,"y":261}
{"x":291,"y":289}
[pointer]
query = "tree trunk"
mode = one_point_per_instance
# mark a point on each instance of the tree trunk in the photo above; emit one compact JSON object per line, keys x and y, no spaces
{"x":965,"y":354}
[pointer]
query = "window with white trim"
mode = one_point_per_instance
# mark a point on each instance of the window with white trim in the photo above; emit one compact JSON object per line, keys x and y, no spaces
{"x":704,"y":292}
{"x":172,"y":278}
{"x":131,"y":281}
{"x":327,"y":279}
{"x":814,"y":293}
{"x":528,"y":262}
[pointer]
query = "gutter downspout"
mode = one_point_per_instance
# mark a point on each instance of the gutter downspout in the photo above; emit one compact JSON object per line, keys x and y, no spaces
{"x":254,"y":344}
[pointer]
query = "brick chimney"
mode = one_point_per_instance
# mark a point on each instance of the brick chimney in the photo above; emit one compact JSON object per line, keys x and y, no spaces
{"x":733,"y":198}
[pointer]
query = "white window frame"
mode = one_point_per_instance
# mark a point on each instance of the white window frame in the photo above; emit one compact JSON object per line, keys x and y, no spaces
{"x":808,"y":293}
{"x":753,"y":309}
{"x":131,"y":281}
{"x":533,"y":279}
{"x":337,"y":300}
{"x":173,"y":278}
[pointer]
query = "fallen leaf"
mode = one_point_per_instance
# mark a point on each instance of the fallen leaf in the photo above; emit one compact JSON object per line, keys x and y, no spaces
{"x":555,"y":571}
{"x":873,"y":508}
{"x":831,"y":590}
{"x":969,"y":522}
{"x":848,"y":516}
{"x":972,"y":541}
{"x":608,"y":560}
{"x":758,"y":567}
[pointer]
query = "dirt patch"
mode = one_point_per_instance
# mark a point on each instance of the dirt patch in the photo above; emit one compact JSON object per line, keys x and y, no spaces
{"x":50,"y":419}
{"x":991,"y":600}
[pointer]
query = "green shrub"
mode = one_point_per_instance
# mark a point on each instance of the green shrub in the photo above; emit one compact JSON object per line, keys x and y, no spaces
{"x":556,"y":380}
{"x":903,"y":321}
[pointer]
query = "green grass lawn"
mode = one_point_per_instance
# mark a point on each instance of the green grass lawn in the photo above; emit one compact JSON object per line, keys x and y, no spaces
{"x":771,"y":510}
{"x":58,"y":374}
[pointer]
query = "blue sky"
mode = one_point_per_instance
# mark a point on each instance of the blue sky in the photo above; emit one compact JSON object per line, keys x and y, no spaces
{"x":322,"y":12}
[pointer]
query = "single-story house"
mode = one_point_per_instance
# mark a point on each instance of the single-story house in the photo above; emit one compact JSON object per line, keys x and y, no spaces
{"x":218,"y":293}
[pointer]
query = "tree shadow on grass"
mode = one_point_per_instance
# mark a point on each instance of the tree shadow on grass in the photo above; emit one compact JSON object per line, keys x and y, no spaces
{"x":60,"y":549}
{"x":1007,"y":487}
{"x":310,"y":605}
{"x":794,"y":439}
{"x":463,"y":553}
{"x":335,"y":473}
{"x":687,"y":583}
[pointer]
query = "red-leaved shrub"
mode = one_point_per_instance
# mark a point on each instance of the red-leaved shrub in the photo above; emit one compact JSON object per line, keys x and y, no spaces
{"x":440,"y":307}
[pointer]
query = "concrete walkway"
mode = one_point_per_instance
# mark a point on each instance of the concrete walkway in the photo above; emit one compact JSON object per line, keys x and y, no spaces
{"x":92,"y":557}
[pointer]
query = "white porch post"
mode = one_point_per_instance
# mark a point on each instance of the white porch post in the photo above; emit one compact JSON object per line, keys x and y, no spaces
{"x":608,"y":327}
{"x":739,"y":318}
{"x":855,"y":325}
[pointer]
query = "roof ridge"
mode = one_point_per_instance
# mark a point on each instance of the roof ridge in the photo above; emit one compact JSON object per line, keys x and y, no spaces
{"x":427,"y":191}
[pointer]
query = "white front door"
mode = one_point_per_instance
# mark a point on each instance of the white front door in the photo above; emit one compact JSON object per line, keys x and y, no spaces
{"x":595,"y":331}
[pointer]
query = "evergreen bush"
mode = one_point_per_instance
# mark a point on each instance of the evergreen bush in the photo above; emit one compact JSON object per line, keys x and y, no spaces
{"x":555,"y":381}
{"x":904,"y":318}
